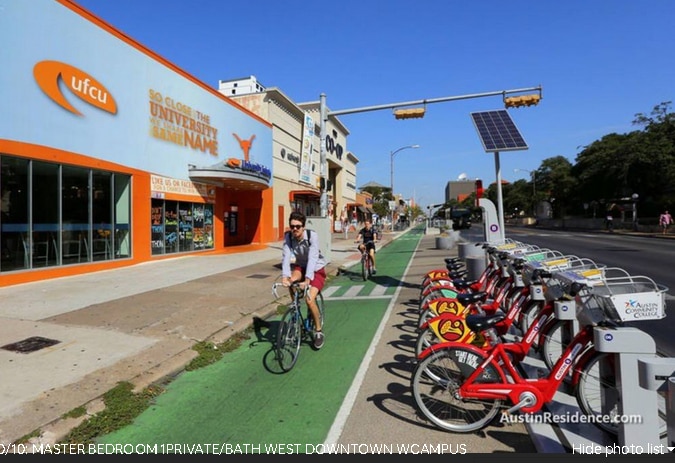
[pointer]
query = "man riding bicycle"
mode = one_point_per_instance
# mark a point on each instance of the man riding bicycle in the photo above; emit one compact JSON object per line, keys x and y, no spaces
{"x":366,"y":237}
{"x":302,"y":261}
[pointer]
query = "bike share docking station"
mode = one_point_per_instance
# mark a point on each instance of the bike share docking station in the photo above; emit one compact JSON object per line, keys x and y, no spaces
{"x":613,"y":294}
{"x":658,"y":374}
{"x":630,"y":346}
{"x":631,"y":381}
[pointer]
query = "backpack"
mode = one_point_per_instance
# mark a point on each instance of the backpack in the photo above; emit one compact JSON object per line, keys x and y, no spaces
{"x":310,"y":232}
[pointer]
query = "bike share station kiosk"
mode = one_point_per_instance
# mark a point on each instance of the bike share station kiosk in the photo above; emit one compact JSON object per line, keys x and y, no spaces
{"x":619,"y":297}
{"x":638,"y":374}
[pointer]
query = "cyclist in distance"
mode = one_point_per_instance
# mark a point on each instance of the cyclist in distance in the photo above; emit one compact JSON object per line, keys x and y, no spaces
{"x":367,"y":237}
{"x":302,"y":261}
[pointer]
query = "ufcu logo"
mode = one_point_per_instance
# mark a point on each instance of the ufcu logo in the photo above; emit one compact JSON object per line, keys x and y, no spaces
{"x":48,"y":74}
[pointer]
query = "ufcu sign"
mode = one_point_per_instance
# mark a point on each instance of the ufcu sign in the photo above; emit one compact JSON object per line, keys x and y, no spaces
{"x":48,"y":75}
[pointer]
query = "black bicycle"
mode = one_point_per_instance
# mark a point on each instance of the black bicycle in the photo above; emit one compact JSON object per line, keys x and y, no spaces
{"x":366,"y":262}
{"x":294,"y":327}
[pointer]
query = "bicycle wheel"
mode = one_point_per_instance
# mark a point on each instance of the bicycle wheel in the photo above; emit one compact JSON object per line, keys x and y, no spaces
{"x":553,"y":342}
{"x":425,"y":338}
{"x":528,"y":314}
{"x":322,"y":313}
{"x":435,"y":384}
{"x":597,"y":394}
{"x":363,"y":268}
{"x":289,"y":336}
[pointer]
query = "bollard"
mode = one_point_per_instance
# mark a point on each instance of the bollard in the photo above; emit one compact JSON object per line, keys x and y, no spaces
{"x":475,"y":266}
{"x":461,"y":249}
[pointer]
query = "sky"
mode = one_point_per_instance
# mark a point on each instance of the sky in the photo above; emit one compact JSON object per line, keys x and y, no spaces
{"x":599,"y":63}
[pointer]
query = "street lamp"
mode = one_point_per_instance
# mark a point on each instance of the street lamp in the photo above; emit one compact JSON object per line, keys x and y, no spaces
{"x":534,"y":187}
{"x":391,"y":155}
{"x":391,"y":179}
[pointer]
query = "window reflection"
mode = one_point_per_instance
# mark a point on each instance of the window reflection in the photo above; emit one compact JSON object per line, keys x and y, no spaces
{"x":55,"y":214}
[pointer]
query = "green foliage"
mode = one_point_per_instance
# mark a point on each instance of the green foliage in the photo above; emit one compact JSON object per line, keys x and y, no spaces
{"x":122,"y":407}
{"x":607,"y":171}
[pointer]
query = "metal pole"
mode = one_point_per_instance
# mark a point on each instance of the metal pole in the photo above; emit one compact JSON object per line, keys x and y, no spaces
{"x":534,"y":194}
{"x":500,"y":202}
{"x":391,"y":179}
{"x":391,"y":173}
{"x":323,"y":201}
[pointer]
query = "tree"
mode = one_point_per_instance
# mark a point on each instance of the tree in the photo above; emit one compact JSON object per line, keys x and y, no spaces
{"x":381,"y":197}
{"x":556,"y":180}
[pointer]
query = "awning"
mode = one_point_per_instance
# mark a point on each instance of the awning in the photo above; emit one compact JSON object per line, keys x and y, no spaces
{"x":363,"y":209}
{"x":304,"y":194}
{"x":370,"y":210}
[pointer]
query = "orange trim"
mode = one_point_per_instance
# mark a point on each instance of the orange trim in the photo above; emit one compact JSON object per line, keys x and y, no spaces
{"x":70,"y":4}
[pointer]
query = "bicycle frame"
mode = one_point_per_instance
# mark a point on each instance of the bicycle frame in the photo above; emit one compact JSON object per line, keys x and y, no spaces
{"x":519,"y":349}
{"x":366,"y":262}
{"x":527,"y":395}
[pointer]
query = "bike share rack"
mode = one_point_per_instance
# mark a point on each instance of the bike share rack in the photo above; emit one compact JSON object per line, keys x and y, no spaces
{"x":640,"y":373}
{"x":630,"y":345}
{"x":613,"y":294}
{"x":658,"y":374}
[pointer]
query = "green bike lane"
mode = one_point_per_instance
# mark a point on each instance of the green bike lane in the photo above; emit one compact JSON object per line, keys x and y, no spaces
{"x":245,"y":404}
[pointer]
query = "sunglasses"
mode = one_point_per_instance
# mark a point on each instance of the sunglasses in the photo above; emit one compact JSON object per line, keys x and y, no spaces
{"x":295,"y":227}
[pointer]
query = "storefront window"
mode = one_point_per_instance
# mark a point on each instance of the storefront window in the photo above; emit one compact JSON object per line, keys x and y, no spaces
{"x":54,"y":214}
{"x":181,"y":226}
{"x":185,"y":227}
{"x":203,"y":226}
{"x":14,"y":236}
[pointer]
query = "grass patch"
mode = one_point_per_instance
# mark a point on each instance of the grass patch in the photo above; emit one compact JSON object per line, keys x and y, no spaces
{"x":76,"y":412}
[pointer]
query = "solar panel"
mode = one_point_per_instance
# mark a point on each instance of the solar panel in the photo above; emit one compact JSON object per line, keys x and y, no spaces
{"x":497,"y":131}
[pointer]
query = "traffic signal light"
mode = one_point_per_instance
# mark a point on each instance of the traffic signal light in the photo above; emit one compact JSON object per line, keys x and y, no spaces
{"x":322,"y":184}
{"x":479,"y":189}
{"x":522,"y":100}
{"x":411,"y":113}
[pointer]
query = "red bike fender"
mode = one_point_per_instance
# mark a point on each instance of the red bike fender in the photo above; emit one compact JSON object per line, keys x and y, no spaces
{"x":436,"y":284}
{"x":482,"y":353}
{"x":446,"y":344}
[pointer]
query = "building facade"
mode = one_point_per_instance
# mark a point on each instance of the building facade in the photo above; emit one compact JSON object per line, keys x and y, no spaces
{"x":296,"y":153}
{"x":103,"y":165}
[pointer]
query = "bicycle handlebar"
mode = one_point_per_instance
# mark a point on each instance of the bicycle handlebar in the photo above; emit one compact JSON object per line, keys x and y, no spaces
{"x":296,"y":284}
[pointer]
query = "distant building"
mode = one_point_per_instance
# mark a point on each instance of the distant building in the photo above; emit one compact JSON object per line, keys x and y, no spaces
{"x":241,"y":86}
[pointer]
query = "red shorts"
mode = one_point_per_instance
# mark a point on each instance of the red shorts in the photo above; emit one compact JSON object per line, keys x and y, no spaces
{"x":319,"y":276}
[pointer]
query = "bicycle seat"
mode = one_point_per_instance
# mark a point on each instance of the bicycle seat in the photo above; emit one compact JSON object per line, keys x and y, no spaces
{"x":457,"y":274}
{"x":472,"y":298}
{"x":461,"y":284}
{"x":479,"y":323}
{"x":454,"y":267}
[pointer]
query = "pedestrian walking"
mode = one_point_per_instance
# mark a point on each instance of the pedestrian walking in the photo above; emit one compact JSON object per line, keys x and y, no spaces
{"x":665,"y":220}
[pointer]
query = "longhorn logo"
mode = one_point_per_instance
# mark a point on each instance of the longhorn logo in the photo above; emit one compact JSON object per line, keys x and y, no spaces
{"x":245,"y":145}
{"x":47,"y":74}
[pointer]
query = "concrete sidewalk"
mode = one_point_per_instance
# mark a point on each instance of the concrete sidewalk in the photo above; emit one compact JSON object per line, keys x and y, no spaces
{"x":134,"y":324}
